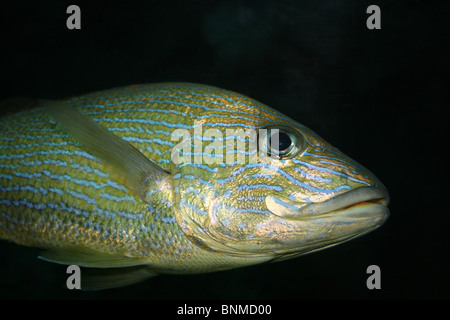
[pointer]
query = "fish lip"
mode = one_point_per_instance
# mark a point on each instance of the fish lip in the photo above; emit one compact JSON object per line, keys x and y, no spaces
{"x":362,"y":202}
{"x":371,"y":195}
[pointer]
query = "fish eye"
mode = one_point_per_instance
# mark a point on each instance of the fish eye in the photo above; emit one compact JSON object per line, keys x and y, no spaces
{"x":282,"y":142}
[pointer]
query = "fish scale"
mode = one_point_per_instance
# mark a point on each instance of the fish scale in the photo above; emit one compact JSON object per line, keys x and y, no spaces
{"x":93,"y":219}
{"x":206,"y":216}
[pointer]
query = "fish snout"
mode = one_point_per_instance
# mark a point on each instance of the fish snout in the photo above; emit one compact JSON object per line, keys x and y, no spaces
{"x":362,"y":202}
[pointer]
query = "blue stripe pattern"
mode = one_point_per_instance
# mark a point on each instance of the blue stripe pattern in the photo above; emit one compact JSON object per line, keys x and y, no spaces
{"x":49,"y":181}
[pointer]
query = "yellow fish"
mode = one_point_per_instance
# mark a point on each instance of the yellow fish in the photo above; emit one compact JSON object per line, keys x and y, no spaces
{"x":175,"y":178}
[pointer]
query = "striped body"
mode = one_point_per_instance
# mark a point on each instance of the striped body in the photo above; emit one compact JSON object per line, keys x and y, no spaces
{"x":54,"y":194}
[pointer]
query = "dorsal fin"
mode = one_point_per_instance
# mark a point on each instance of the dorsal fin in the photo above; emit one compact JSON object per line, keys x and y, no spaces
{"x":129,"y":165}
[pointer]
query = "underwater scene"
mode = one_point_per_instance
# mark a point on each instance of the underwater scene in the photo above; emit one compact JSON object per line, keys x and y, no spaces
{"x":224,"y":150}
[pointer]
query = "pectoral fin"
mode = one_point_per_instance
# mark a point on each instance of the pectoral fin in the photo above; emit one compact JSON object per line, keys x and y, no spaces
{"x":128,"y":164}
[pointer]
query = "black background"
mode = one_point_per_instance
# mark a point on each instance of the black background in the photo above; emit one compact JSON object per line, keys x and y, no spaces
{"x":378,"y":95}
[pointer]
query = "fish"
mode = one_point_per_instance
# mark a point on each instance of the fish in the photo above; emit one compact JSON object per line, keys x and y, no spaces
{"x":175,"y":178}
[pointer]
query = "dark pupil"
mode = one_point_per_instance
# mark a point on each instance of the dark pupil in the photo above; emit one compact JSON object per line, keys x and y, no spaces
{"x":284,"y":142}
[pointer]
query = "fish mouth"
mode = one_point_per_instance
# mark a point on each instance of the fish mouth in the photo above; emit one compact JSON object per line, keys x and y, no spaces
{"x":360,"y":203}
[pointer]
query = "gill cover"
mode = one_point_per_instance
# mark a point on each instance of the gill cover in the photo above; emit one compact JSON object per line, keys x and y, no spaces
{"x":249,"y":229}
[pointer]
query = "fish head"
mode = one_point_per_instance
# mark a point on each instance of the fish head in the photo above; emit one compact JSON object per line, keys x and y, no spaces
{"x":330,"y":198}
{"x":298,"y":195}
